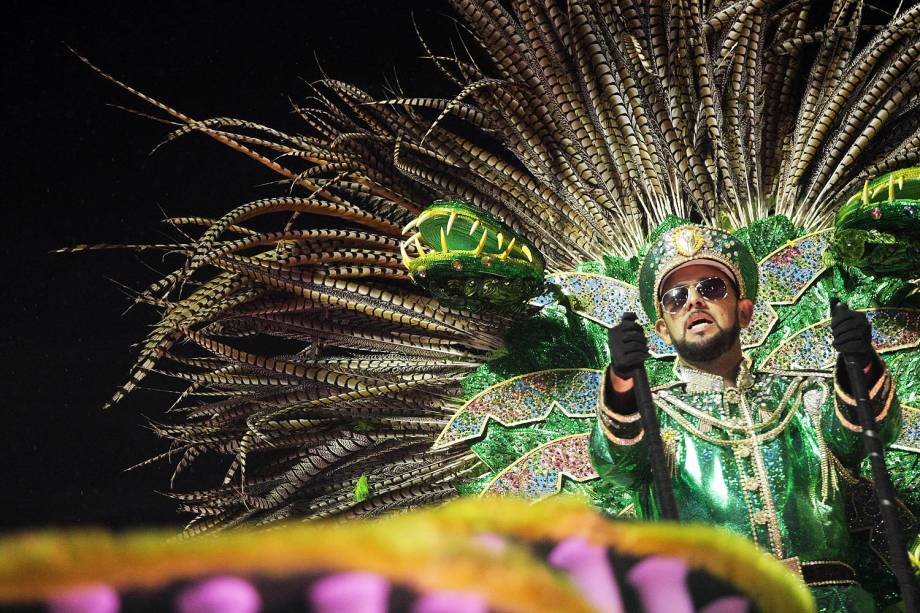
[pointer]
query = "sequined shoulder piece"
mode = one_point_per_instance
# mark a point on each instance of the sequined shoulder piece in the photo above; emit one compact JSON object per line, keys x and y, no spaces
{"x":909,"y":440}
{"x":811,"y":349}
{"x":524,"y":399}
{"x":603,"y":300}
{"x":786,"y":273}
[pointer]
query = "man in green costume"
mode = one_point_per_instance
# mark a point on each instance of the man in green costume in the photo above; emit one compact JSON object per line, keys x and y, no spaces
{"x":766,"y":455}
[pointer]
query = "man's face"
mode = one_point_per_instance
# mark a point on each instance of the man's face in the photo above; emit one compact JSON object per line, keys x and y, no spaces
{"x":702,"y":330}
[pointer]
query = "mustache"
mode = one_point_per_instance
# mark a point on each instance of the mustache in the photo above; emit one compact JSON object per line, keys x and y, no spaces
{"x":705,"y":312}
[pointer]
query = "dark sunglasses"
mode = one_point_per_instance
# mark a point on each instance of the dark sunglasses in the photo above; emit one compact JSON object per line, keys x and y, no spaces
{"x":710,"y":288}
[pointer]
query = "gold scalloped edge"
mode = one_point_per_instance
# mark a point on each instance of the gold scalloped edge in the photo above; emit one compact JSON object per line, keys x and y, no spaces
{"x":787,"y":245}
{"x":826,"y":322}
{"x":557,"y":486}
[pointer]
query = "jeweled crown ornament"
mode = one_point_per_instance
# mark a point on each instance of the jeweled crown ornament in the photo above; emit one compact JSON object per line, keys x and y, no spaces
{"x":688,"y":241}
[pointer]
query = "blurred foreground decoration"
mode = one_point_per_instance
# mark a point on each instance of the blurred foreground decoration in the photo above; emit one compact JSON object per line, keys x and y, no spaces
{"x":494,"y":554}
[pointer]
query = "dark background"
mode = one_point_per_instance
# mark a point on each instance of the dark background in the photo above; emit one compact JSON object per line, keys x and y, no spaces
{"x":77,"y":170}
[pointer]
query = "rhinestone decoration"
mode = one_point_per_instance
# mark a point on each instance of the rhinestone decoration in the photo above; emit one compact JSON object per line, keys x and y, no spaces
{"x":688,"y":240}
{"x":604,"y":300}
{"x":599,"y":298}
{"x":812,"y":349}
{"x":787,"y":272}
{"x":538,"y":474}
{"x":525,"y":399}
{"x":762,"y":321}
{"x":909,"y":440}
{"x":543,"y":300}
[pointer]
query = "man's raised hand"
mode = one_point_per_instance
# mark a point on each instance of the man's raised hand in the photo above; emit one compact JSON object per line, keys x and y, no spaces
{"x":852,"y":333}
{"x":628,"y":346}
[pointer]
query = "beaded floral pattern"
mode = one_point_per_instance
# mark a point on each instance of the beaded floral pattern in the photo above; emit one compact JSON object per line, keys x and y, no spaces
{"x":524,"y":399}
{"x":597,"y":297}
{"x":812,"y":350}
{"x":909,"y":439}
{"x":786,"y":273}
{"x":604,"y":300}
{"x":539,"y":473}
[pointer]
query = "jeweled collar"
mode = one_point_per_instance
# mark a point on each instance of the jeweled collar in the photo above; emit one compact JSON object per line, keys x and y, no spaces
{"x":700,"y":381}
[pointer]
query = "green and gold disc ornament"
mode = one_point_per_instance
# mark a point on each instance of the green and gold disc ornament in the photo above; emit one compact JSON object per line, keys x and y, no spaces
{"x":878,"y":228}
{"x":467,"y":258}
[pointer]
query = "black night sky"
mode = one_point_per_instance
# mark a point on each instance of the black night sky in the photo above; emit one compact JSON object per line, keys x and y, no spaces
{"x":78,"y":170}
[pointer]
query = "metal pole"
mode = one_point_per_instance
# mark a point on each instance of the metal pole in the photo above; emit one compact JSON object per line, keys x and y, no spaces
{"x":661,"y":478}
{"x":884,"y":490}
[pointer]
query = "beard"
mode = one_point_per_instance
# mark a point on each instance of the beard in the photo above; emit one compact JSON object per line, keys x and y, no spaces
{"x":711,"y":348}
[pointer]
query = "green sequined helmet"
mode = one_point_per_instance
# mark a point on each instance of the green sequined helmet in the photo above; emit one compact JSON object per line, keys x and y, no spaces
{"x":694,"y":242}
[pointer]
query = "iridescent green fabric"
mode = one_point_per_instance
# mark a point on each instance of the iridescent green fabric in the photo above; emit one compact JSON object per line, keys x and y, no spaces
{"x":767,"y":235}
{"x":758,"y":459}
{"x":472,"y":260}
{"x":878,"y":228}
{"x":835,"y":600}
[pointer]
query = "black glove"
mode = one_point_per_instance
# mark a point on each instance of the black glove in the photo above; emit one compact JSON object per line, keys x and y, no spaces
{"x":628,"y":347}
{"x":852,"y":332}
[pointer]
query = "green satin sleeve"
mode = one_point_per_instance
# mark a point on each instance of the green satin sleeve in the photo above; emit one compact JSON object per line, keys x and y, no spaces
{"x":841,"y":425}
{"x":624,"y":463}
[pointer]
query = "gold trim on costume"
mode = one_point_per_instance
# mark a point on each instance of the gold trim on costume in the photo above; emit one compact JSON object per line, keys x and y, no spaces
{"x":613,"y":438}
{"x":681,"y":406}
{"x":760,"y":469}
{"x":795,"y":565}
{"x":878,"y":418}
{"x":828,"y":474}
{"x":698,"y":380}
{"x":619,"y":417}
{"x":882,"y":387}
{"x":608,"y":418}
{"x":849,"y":400}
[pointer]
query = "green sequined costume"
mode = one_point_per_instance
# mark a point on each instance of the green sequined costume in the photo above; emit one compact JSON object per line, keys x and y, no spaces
{"x":760,"y":457}
{"x":768,"y":458}
{"x":375,"y":351}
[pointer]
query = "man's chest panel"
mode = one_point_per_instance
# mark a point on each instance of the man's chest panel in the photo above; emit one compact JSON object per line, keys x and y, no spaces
{"x":754,"y":460}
